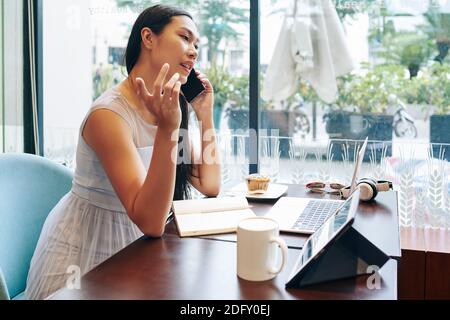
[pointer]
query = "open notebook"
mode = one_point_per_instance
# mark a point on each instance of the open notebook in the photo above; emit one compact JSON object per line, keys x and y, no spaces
{"x":210,"y":216}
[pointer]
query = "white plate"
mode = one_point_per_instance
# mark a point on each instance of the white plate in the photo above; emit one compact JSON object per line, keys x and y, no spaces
{"x":273,"y":192}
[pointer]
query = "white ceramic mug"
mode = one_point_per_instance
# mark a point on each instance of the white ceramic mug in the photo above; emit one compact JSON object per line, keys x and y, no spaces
{"x":257,"y":243}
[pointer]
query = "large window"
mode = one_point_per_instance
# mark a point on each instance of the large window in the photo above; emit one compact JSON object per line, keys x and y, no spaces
{"x":316,"y":109}
{"x":399,"y":50}
{"x":89,"y":60}
{"x":11,"y":68}
{"x":2,"y":106}
{"x":347,"y":70}
{"x":397,"y":91}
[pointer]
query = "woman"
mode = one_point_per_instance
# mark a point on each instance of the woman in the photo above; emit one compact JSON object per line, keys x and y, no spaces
{"x":126,"y":176}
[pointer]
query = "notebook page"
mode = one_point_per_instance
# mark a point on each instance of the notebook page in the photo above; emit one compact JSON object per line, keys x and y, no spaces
{"x":211,"y":223}
{"x":182,"y":207}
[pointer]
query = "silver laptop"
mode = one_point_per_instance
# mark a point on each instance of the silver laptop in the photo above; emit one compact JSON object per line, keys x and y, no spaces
{"x":306,"y":215}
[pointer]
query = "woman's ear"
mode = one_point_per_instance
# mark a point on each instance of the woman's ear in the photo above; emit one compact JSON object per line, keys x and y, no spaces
{"x":147,"y":37}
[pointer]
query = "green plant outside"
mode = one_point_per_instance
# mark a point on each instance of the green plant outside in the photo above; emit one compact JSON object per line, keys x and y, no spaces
{"x":104,"y":77}
{"x":359,"y":93}
{"x":409,"y":49}
{"x":228,"y":89}
{"x":216,"y":19}
{"x":369,"y":93}
{"x":440,"y":87}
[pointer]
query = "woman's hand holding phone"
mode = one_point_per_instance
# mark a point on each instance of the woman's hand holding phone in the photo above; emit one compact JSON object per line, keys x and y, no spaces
{"x":163,"y":102}
{"x":203,"y":103}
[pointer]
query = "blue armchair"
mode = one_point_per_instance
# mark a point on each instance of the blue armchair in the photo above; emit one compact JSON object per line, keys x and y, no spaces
{"x":30,"y":186}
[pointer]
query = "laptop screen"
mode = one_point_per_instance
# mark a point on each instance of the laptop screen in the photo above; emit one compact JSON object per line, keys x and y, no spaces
{"x":358,"y":163}
{"x":327,"y":232}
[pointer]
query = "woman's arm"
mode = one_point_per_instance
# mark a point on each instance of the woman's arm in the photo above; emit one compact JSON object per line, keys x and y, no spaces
{"x":206,"y":168}
{"x":147,"y":197}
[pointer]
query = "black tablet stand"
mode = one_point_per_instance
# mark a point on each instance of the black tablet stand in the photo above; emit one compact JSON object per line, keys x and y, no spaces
{"x":349,"y":255}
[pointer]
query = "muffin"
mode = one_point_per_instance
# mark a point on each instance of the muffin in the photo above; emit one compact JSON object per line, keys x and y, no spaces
{"x":257,"y":183}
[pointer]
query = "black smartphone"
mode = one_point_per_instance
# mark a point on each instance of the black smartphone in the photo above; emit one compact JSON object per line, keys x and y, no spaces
{"x":193,"y":87}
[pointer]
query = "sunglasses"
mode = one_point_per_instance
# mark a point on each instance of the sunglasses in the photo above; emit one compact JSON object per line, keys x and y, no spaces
{"x":322,"y":187}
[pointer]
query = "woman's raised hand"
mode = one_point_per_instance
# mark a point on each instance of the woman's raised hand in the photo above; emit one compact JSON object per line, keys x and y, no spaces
{"x":163,"y":102}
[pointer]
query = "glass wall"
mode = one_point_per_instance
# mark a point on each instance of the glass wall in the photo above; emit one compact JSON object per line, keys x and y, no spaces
{"x":332,"y":74}
{"x":11,"y":104}
{"x":84,"y":44}
{"x":2,"y":105}
{"x":341,"y":71}
{"x":351,"y":69}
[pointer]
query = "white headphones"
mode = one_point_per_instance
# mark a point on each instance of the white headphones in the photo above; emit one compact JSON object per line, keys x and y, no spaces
{"x":369,"y":189}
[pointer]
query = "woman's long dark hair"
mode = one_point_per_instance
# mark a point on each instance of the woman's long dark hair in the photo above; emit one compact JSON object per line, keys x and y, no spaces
{"x":157,"y":18}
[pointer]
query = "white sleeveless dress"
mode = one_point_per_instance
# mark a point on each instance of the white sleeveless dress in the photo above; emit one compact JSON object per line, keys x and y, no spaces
{"x":89,"y":224}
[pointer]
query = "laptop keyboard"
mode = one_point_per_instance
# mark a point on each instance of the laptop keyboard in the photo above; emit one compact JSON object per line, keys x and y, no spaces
{"x":315,"y":213}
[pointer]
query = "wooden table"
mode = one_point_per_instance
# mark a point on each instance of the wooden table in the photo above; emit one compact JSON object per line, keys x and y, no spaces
{"x":424,"y":269}
{"x":378,"y":221}
{"x":205,"y":267}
